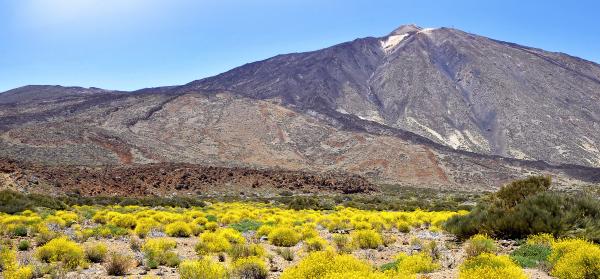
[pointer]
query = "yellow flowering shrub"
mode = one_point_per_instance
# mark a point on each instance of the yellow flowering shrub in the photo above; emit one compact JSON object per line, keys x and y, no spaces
{"x":158,"y":251}
{"x":178,"y":229}
{"x":203,"y":268}
{"x":366,"y":239}
{"x":479,"y":244}
{"x":144,"y":225}
{"x":489,"y":266}
{"x":69,"y":253}
{"x":250,"y":267}
{"x":575,"y":259}
{"x":284,"y":236}
{"x":315,"y":244}
{"x":11,"y":269}
{"x":327,"y":264}
{"x":212,"y":242}
{"x":417,"y":263}
{"x":544,"y":239}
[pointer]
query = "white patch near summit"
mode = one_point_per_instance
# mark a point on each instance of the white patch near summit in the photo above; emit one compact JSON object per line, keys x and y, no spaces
{"x":391,"y":41}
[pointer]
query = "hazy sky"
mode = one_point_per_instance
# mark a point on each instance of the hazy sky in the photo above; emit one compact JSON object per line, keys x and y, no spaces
{"x":131,"y":44}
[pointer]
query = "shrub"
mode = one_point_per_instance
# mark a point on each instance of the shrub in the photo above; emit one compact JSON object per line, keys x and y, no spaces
{"x":118,"y":264}
{"x":286,"y":253}
{"x":342,"y":243}
{"x":250,"y":268}
{"x":23,"y":245}
{"x":519,"y":190}
{"x":144,"y":226}
{"x":10,"y":268}
{"x":135,"y":244}
{"x":285,"y":237}
{"x":246,"y":225}
{"x":490,"y":266}
{"x":96,"y":252}
{"x":531,"y":255}
{"x":413,"y":264}
{"x":325,"y":264}
{"x":244,"y":250}
{"x":479,"y":244}
{"x":366,"y":239}
{"x":315,"y":244}
{"x":543,"y":239}
{"x":212,"y":242}
{"x":20,"y":230}
{"x":211,"y":226}
{"x":403,"y":227}
{"x":203,"y":268}
{"x":178,"y":229}
{"x":575,"y":259}
{"x":158,"y":252}
{"x":525,"y":208}
{"x":69,"y":253}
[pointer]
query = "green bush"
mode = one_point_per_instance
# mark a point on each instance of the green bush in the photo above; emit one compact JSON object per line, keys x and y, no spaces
{"x":23,"y":245}
{"x":531,"y":255}
{"x":524,"y":208}
{"x":246,"y":225}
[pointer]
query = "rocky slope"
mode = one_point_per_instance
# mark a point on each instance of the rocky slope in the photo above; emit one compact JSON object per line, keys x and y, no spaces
{"x":420,"y":107}
{"x":458,"y":89}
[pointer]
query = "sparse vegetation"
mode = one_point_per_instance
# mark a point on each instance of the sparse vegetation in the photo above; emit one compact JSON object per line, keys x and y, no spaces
{"x":341,"y":242}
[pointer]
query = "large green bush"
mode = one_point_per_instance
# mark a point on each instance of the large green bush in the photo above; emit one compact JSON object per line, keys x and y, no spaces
{"x":527,"y":207}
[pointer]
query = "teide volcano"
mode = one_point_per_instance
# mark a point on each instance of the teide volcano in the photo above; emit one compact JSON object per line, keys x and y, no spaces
{"x":420,"y":106}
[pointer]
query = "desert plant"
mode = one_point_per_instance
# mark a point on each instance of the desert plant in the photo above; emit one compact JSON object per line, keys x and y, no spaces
{"x":69,"y":253}
{"x":203,"y":268}
{"x":413,"y":264}
{"x":246,"y":250}
{"x":366,"y":239}
{"x":490,"y":266}
{"x":96,"y":252}
{"x":479,"y":244}
{"x":326,"y":264}
{"x":158,"y":251}
{"x":118,"y":264}
{"x":23,"y":245}
{"x":178,"y":229}
{"x":342,"y":243}
{"x":246,"y":225}
{"x":531,"y":255}
{"x":286,"y":253}
{"x":283,"y":236}
{"x":575,"y":259}
{"x":315,"y":244}
{"x":250,"y":268}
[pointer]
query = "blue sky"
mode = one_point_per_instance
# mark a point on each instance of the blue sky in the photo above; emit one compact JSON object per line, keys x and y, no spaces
{"x":131,"y":44}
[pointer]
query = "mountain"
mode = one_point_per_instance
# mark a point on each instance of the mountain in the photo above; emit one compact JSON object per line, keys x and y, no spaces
{"x":458,"y":89}
{"x":419,"y":107}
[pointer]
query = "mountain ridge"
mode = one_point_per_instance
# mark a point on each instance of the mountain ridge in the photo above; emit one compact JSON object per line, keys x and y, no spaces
{"x":430,"y":107}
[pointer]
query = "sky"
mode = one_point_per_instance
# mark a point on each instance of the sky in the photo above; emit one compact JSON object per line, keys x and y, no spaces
{"x":133,"y":44}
